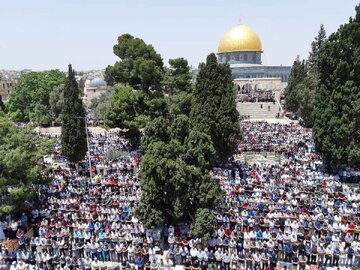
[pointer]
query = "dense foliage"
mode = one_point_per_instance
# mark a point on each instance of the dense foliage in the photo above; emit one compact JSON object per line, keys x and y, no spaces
{"x":131,"y":109}
{"x":176,"y":160}
{"x":177,"y":77}
{"x":140,"y":65}
{"x":214,"y":107}
{"x":337,"y":112}
{"x":177,"y":82}
{"x":300,"y":93}
{"x":73,"y":133}
{"x":296,"y":77}
{"x":177,"y":145}
{"x":20,"y":170}
{"x":204,"y":224}
{"x":173,"y":188}
{"x":56,"y":100}
{"x":29,"y":100}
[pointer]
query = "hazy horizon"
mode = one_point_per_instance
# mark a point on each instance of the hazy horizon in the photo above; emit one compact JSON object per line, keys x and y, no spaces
{"x":42,"y":35}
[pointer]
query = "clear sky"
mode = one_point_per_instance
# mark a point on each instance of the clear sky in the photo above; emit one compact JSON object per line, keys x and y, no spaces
{"x":46,"y":34}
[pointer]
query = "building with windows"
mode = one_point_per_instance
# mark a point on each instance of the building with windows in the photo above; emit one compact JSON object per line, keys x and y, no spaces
{"x":241,"y":48}
{"x":5,"y":88}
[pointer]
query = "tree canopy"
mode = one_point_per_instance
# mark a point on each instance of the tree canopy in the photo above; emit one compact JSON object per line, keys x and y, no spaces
{"x":177,"y":77}
{"x":140,"y":65}
{"x":56,"y":100}
{"x":177,"y":145}
{"x":337,"y":111}
{"x":214,"y":107}
{"x":199,"y":150}
{"x":20,"y":170}
{"x":156,"y":130}
{"x":302,"y":88}
{"x":73,"y":133}
{"x":174,"y":172}
{"x":29,"y":100}
{"x":296,"y":77}
{"x":172,"y":189}
{"x":132,"y":109}
{"x":180,"y":128}
{"x":204,"y":224}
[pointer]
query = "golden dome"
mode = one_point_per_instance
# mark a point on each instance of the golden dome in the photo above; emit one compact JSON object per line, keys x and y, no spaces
{"x":240,"y":38}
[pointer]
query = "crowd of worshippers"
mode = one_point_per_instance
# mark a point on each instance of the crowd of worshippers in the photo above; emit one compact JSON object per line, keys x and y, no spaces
{"x":255,"y":96}
{"x":287,"y":215}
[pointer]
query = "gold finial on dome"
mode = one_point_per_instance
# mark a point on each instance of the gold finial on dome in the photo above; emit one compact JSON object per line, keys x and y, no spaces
{"x":240,"y":38}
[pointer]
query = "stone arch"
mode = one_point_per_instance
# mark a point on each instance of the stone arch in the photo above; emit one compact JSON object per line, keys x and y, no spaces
{"x":248,"y":87}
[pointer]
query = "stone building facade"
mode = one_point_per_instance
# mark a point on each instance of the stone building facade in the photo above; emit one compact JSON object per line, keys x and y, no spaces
{"x":5,"y":88}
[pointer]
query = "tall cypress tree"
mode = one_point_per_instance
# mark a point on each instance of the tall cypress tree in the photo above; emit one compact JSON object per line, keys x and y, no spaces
{"x":337,"y":111}
{"x":214,"y":107}
{"x":296,"y":77}
{"x":304,"y":81}
{"x":73,"y":133}
{"x":313,"y":59}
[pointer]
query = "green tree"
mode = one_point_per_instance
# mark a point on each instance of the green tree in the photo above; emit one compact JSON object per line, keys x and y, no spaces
{"x":300,"y":94}
{"x":199,"y":150}
{"x":177,"y":78}
{"x":204,"y":224}
{"x":308,"y":89}
{"x":180,"y":128}
{"x":29,"y":100}
{"x":41,"y":115}
{"x":56,"y":100}
{"x":140,"y":65}
{"x":180,"y":103}
{"x":313,"y":59}
{"x":20,"y":170}
{"x":337,"y":111}
{"x":177,"y":82}
{"x":296,"y":77}
{"x":214,"y":107}
{"x":156,"y":130}
{"x":155,"y":104}
{"x":306,"y":94}
{"x":172,"y":189}
{"x":131,"y":110}
{"x":175,"y":180}
{"x":73,"y":133}
{"x":126,"y":105}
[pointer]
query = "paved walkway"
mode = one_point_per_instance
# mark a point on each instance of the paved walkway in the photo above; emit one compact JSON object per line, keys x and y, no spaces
{"x":255,"y":111}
